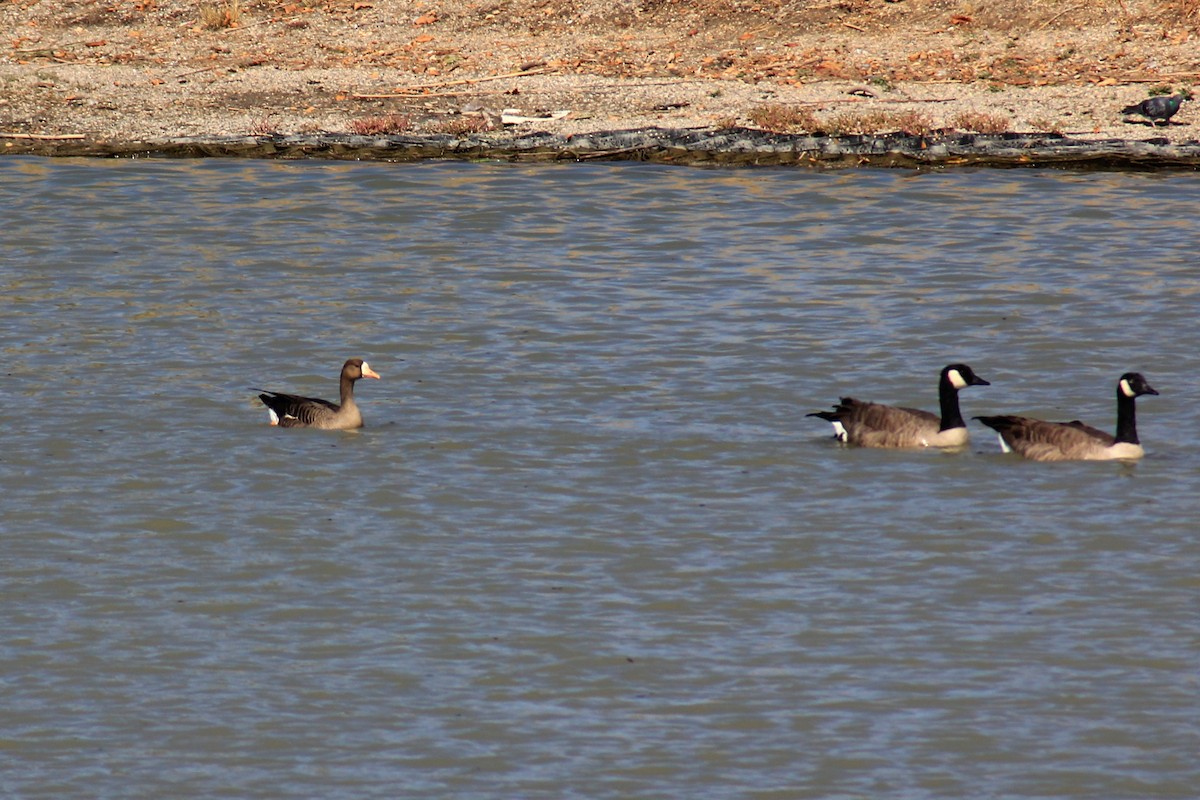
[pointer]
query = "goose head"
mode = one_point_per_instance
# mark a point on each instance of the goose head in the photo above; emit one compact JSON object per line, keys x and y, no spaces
{"x":356,"y":368}
{"x":1134,"y":384}
{"x":960,"y":376}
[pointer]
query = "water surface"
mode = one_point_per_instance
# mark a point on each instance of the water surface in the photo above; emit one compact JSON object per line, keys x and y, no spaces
{"x":588,"y":545}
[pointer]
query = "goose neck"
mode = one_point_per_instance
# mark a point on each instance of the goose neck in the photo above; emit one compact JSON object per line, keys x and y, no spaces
{"x":948,"y":399}
{"x":1126,"y":418}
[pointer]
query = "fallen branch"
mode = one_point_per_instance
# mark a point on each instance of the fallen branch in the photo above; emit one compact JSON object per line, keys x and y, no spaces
{"x":412,"y":95}
{"x":419,"y":88}
{"x":241,"y":26}
{"x":5,"y":135}
{"x":198,"y":71}
{"x":620,"y":151}
{"x":419,"y":91}
{"x":50,"y":48}
{"x":915,"y":99}
{"x":1067,"y":10}
{"x":1156,"y":78}
{"x":860,"y":99}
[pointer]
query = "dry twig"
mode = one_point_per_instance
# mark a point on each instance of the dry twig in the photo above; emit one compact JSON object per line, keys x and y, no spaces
{"x":420,"y":88}
{"x":5,"y":135}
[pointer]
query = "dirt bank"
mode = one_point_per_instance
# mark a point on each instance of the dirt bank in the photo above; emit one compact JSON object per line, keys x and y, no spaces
{"x":117,"y":71}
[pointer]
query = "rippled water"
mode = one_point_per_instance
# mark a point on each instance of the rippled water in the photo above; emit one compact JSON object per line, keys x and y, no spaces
{"x":588,"y":545}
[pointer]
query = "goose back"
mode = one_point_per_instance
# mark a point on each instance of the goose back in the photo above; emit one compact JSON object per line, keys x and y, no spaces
{"x":1039,"y":440}
{"x":294,"y":411}
{"x":877,"y":425}
{"x":297,"y":411}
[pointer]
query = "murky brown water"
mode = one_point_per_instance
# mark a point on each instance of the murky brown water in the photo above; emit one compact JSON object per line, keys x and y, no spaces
{"x":588,"y":545}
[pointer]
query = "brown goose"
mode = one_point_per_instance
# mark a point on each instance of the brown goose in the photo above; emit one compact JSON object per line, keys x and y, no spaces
{"x":293,"y":411}
{"x":1038,"y":440}
{"x":876,"y":425}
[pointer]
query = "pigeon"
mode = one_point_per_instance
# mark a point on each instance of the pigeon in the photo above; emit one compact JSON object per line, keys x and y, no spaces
{"x":1156,"y":108}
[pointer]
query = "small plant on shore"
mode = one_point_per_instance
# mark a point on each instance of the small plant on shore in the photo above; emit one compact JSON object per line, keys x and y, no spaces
{"x":1045,"y":125}
{"x":784,"y":119}
{"x":1157,"y":90}
{"x":1182,"y":9}
{"x":225,"y":14}
{"x":462,"y":125}
{"x":264,"y":127}
{"x":981,"y":122}
{"x":374,"y":126}
{"x":913,"y":123}
{"x":883,"y":84}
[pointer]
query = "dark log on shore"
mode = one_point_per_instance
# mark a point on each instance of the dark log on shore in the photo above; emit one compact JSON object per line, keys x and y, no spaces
{"x":696,"y":147}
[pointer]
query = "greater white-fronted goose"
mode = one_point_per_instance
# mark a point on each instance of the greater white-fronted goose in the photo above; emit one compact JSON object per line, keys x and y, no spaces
{"x":1039,"y":440}
{"x":876,"y":425}
{"x":294,"y":411}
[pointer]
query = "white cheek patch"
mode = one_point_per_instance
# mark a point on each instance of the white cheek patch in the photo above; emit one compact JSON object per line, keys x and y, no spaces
{"x":956,"y":380}
{"x":1125,"y":388}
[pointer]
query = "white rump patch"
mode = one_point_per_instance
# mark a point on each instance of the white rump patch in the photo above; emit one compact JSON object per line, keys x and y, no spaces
{"x":274,"y":416}
{"x":956,"y":380}
{"x":1126,"y":389}
{"x":839,"y":431}
{"x":1004,"y":448}
{"x":1125,"y":451}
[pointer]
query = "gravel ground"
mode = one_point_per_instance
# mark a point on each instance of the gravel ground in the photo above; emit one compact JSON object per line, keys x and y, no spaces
{"x":137,"y":71}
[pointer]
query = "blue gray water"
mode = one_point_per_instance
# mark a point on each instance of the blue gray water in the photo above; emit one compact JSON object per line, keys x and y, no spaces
{"x":588,"y":545}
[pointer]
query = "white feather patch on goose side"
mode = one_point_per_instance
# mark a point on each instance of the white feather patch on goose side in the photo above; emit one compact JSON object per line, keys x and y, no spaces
{"x":1124,"y":451}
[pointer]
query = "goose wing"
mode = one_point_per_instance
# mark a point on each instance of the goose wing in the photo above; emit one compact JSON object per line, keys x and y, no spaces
{"x":1103,"y":437}
{"x":879,"y":425}
{"x":1039,"y":440}
{"x":292,"y":410}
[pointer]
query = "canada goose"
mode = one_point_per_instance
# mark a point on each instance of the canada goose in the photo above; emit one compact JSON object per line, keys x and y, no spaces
{"x":293,"y":411}
{"x":1073,"y":441}
{"x":876,"y":425}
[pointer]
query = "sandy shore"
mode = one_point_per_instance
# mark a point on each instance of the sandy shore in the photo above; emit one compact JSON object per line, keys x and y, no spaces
{"x":123,"y":72}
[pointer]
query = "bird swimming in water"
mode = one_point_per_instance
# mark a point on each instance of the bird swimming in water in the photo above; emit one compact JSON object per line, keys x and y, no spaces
{"x":1157,"y":108}
{"x":294,"y":411}
{"x":877,"y":425}
{"x":1039,"y":440}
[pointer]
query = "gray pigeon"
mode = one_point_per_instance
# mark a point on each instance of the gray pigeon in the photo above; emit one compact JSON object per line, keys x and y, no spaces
{"x":1156,"y":108}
